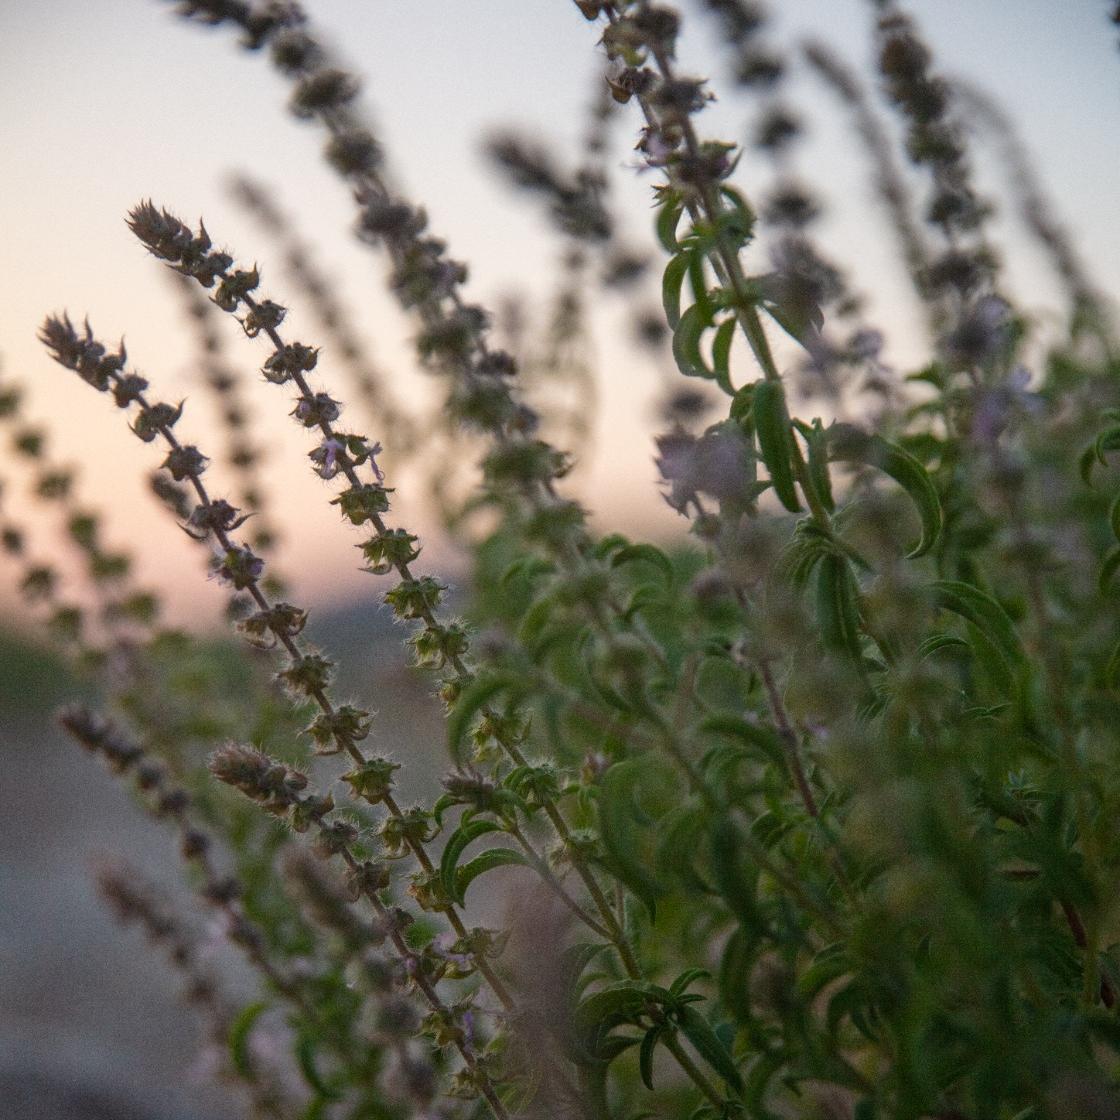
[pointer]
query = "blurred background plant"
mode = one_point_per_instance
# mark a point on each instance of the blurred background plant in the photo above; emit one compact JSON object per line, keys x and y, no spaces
{"x":800,"y":806}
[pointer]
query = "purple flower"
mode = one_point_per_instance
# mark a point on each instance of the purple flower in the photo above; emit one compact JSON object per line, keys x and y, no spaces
{"x":996,"y":407}
{"x":329,"y":457}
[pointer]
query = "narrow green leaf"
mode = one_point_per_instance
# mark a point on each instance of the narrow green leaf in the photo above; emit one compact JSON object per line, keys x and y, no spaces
{"x":849,"y":444}
{"x":621,"y":1002}
{"x":671,"y":283}
{"x":668,"y":218}
{"x":239,"y":1031}
{"x":741,"y":407}
{"x":1114,"y":517}
{"x":1112,"y":670}
{"x":686,"y":343}
{"x":937,"y":642}
{"x":679,"y":833}
{"x":455,"y":846}
{"x":837,"y":613}
{"x":734,"y":974}
{"x":1108,"y":440}
{"x":699,"y":1032}
{"x":743,"y":222}
{"x":736,"y":727}
{"x":687,"y":979}
{"x":829,"y":964}
{"x":1108,"y":570}
{"x":1085,"y":464}
{"x":617,"y":830}
{"x":817,"y":440}
{"x":721,"y":355}
{"x":527,"y":568}
{"x":736,"y":883}
{"x":983,"y":612}
{"x":649,"y":554}
{"x":775,"y":441}
{"x":769,"y":827}
{"x":305,"y":1058}
{"x":698,"y":281}
{"x":645,"y":1054}
{"x":762,"y":1072}
{"x":496,"y":857}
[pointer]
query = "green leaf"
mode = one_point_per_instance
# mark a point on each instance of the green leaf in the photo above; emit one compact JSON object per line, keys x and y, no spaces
{"x":983,"y":612}
{"x":496,"y":857}
{"x":617,"y":813}
{"x":1108,"y":570}
{"x":626,"y":1001}
{"x":686,"y":343}
{"x":816,"y":439}
{"x":1108,"y":440}
{"x":850,"y":444}
{"x":649,"y":554}
{"x":837,"y":612}
{"x":453,"y":849}
{"x":721,"y":355}
{"x":1112,"y":670}
{"x":769,"y":827}
{"x":1114,"y":517}
{"x":735,"y":883}
{"x":687,"y":979}
{"x":742,"y":216}
{"x":741,"y":407}
{"x":698,"y":1031}
{"x":239,"y":1031}
{"x":829,"y":964}
{"x":679,"y":833}
{"x":305,"y":1059}
{"x":735,"y":973}
{"x":775,"y":441}
{"x":735,"y":727}
{"x":698,"y":282}
{"x":527,"y":568}
{"x":645,"y":1054}
{"x":668,"y":219}
{"x":937,"y":642}
{"x":671,"y":283}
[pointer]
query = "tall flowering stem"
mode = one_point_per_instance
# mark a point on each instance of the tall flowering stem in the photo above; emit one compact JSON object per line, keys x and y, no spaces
{"x":308,"y":674}
{"x":439,"y":645}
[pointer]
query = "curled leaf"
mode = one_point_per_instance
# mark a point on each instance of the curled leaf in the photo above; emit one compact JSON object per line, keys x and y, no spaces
{"x":496,"y":857}
{"x":453,"y":849}
{"x":686,"y":342}
{"x":239,"y":1031}
{"x":983,"y":612}
{"x":849,"y":444}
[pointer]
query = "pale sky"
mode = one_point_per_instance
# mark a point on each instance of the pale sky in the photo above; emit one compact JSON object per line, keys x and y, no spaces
{"x":105,"y":102}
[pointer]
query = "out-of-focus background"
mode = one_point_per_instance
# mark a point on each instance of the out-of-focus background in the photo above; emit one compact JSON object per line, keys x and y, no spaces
{"x":103,"y":104}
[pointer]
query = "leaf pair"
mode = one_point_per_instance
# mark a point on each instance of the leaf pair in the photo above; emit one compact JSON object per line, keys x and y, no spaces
{"x":456,"y":879}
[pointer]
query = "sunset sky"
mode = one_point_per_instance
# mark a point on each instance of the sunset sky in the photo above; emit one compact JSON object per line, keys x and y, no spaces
{"x":105,"y":102}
